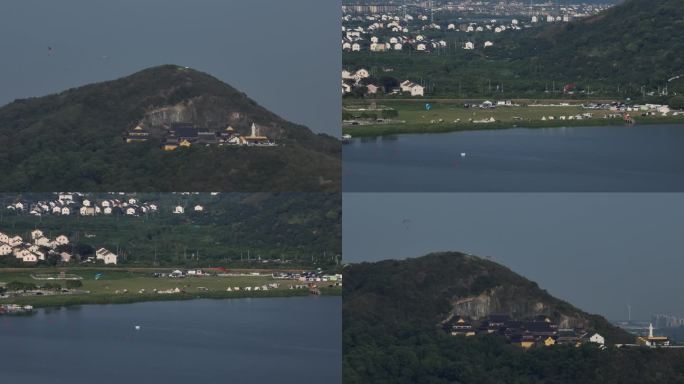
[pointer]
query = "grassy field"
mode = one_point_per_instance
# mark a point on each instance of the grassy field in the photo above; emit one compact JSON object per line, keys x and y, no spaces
{"x":450,"y":115}
{"x":104,"y":290}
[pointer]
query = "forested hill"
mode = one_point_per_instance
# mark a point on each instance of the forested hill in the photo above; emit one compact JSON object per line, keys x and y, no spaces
{"x":426,"y":290}
{"x":391,"y":334}
{"x":74,"y":140}
{"x":639,"y":42}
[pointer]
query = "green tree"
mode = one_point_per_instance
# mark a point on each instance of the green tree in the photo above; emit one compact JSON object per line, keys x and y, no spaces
{"x":677,"y":102}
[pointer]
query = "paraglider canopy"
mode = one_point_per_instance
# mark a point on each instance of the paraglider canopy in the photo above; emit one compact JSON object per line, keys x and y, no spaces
{"x":428,"y":106}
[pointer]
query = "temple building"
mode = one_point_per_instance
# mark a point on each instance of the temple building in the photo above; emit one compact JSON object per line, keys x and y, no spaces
{"x":137,"y":134}
{"x":653,"y":341}
{"x":256,"y":139}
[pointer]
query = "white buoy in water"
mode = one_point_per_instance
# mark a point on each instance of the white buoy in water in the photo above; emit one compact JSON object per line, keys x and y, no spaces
{"x":463,"y":154}
{"x":137,"y":327}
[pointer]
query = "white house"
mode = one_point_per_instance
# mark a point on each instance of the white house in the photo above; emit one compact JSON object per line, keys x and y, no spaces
{"x":421,"y":47}
{"x":413,"y":88}
{"x":106,"y":203}
{"x":87,"y":211}
{"x":378,"y":47}
{"x":66,"y":257}
{"x":132,"y":201}
{"x":62,"y":240}
{"x":36,"y":233}
{"x":5,"y":249}
{"x":130,"y":211}
{"x":372,"y":89}
{"x":43,"y":241}
{"x":66,"y":211}
{"x":417,"y":90}
{"x":598,"y":339}
{"x":153,"y":207}
{"x":469,"y":45}
{"x":356,"y":47}
{"x":106,"y":256}
{"x":15,"y":241}
{"x":4,"y":238}
{"x":199,"y":208}
{"x":40,"y":255}
{"x":361,"y":74}
{"x":488,"y":44}
{"x":108,"y":210}
{"x":179,"y":210}
{"x":86,"y":203}
{"x":29,"y":258}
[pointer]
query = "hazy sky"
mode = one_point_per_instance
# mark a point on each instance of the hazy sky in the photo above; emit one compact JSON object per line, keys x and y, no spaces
{"x":284,"y":54}
{"x":598,"y":251}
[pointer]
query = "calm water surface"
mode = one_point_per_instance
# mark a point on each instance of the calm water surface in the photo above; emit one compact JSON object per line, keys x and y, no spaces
{"x":637,"y":158}
{"x":283,"y":340}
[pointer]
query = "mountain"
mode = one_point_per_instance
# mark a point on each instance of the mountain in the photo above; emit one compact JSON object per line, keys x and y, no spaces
{"x":393,"y":311}
{"x":74,"y":140}
{"x":638,"y":42}
{"x":459,"y":284}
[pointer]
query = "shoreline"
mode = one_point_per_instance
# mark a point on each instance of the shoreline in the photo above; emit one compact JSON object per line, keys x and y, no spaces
{"x":59,"y":301}
{"x":378,"y":130}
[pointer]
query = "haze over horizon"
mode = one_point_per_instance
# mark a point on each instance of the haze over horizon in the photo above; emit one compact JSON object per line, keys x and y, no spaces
{"x":284,"y":55}
{"x":598,"y":251}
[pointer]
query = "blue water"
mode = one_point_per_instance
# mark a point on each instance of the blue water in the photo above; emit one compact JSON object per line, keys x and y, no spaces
{"x":283,"y":340}
{"x":617,"y":159}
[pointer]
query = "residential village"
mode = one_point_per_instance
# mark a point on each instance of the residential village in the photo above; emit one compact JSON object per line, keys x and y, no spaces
{"x":184,"y":135}
{"x":424,"y":27}
{"x":363,"y":80}
{"x":39,"y":247}
{"x":541,"y":331}
{"x":76,"y":203}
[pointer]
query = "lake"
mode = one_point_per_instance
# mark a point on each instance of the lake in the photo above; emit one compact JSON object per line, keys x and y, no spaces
{"x":571,"y":159}
{"x":282,"y":340}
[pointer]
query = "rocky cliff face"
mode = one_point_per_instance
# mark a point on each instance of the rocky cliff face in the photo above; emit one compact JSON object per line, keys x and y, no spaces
{"x":509,"y":301}
{"x":210,"y":113}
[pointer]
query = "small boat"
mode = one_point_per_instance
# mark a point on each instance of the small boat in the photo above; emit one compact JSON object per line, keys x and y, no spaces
{"x":346,"y":138}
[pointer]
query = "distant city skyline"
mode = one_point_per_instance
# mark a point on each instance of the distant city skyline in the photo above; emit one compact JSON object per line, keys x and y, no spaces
{"x":284,"y":55}
{"x":600,"y":252}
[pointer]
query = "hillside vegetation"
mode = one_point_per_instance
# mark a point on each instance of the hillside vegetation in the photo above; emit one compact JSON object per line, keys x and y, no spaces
{"x":628,"y":51}
{"x":392,"y":310}
{"x":639,"y":42}
{"x":74,"y":141}
{"x":302,"y":228}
